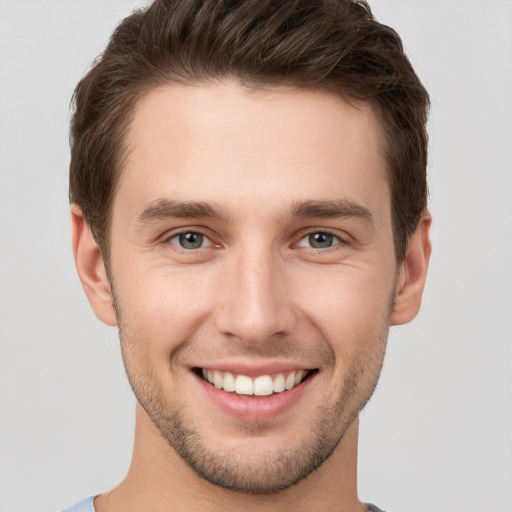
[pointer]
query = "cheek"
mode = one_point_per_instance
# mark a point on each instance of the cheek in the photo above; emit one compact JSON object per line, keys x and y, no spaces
{"x":163,"y":309}
{"x":350,"y":308}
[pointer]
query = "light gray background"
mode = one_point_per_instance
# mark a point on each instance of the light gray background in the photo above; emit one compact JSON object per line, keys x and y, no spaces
{"x":438,"y":433}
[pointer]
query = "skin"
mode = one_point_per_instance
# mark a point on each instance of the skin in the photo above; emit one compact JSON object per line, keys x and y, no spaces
{"x":255,"y":293}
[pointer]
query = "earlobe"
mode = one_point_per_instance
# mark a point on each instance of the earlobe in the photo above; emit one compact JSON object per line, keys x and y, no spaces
{"x":413,"y":273}
{"x":91,"y":269}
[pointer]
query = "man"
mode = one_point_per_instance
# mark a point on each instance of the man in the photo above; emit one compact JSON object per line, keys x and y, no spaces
{"x":248,"y":189}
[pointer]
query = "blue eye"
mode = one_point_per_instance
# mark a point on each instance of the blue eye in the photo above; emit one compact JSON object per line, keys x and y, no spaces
{"x":319,"y":240}
{"x":189,"y":240}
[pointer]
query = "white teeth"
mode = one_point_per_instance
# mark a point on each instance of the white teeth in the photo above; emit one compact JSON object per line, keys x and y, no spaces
{"x":218,"y":381}
{"x":279,"y":383}
{"x":263,"y":385}
{"x":229,"y":382}
{"x":244,"y":385}
{"x":290,"y":381}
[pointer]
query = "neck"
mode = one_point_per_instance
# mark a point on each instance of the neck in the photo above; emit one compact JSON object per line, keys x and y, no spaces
{"x":159,"y":480}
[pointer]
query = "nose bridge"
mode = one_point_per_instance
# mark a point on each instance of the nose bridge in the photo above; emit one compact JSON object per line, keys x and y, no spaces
{"x":254,"y":304}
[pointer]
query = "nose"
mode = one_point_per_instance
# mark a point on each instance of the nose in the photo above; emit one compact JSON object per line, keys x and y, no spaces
{"x":254,"y":303}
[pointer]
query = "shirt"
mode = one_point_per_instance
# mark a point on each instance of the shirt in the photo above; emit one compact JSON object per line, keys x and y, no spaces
{"x":87,"y":505}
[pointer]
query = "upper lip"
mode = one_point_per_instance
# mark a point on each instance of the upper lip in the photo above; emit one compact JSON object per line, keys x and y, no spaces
{"x":252,"y":369}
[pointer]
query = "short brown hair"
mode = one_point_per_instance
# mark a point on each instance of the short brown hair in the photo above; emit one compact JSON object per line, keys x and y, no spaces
{"x":331,"y":45}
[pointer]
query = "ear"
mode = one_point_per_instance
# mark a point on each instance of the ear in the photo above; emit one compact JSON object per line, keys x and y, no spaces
{"x":90,"y":268}
{"x":412,"y":273}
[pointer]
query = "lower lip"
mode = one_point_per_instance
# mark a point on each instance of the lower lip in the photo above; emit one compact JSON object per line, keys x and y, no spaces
{"x":255,"y":408}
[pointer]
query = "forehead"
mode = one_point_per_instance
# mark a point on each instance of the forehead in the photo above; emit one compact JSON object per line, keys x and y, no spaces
{"x":226,"y":144}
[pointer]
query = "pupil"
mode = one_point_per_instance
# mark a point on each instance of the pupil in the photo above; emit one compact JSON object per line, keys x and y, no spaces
{"x":191,"y":240}
{"x":320,"y":240}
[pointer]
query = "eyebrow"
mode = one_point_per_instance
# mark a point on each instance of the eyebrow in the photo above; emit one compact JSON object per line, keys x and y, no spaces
{"x":163,"y":209}
{"x":331,"y":209}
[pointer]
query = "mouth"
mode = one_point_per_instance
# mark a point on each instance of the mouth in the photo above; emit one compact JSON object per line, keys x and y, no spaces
{"x":259,"y":386}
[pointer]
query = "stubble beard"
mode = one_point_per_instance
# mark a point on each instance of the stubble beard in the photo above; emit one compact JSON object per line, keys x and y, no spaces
{"x":270,"y":471}
{"x":267,"y":472}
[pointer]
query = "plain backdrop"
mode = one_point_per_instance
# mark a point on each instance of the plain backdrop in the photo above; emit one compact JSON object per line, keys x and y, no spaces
{"x":438,"y":433}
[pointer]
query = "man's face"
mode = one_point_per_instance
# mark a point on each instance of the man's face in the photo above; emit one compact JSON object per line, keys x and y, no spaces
{"x":252,"y":244}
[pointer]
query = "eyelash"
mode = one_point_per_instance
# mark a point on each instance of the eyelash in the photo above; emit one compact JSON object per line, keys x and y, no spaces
{"x":184,"y":234}
{"x":337,"y":240}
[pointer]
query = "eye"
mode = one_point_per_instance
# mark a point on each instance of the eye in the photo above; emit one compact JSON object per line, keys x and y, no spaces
{"x":189,"y":240}
{"x":319,"y":240}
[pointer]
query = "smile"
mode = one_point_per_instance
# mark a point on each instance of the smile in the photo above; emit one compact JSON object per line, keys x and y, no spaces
{"x":262,"y":385}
